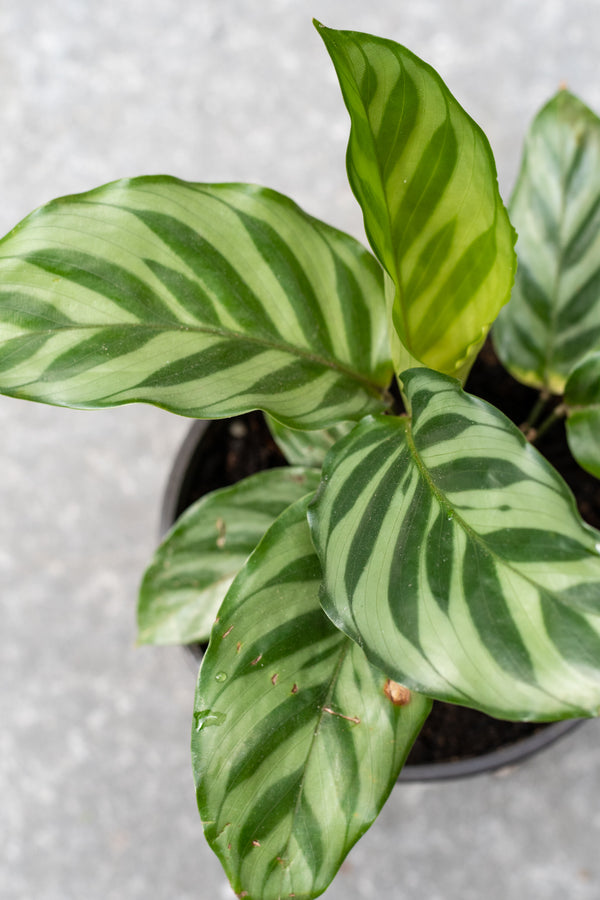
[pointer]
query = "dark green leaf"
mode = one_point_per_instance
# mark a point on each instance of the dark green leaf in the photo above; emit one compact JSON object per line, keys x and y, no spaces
{"x":208,"y":300}
{"x":296,"y":742}
{"x":306,"y":448}
{"x":425,"y":177}
{"x":553,"y":318}
{"x":582,"y":397}
{"x":458,"y":560}
{"x":194,"y":566}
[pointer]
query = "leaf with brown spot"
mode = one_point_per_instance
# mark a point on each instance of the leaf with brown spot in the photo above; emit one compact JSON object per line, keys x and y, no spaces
{"x":397,"y":693}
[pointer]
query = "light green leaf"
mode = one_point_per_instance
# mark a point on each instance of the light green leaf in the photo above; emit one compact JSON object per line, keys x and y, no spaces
{"x":295,"y":744}
{"x":582,"y":398}
{"x":306,"y":448}
{"x":194,"y":566}
{"x":425,"y":177}
{"x":208,"y":300}
{"x":553,"y":318}
{"x":454,"y":553}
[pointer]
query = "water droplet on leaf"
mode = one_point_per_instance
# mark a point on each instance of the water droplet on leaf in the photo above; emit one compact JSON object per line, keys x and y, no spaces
{"x":203,"y":718}
{"x":221,"y":676}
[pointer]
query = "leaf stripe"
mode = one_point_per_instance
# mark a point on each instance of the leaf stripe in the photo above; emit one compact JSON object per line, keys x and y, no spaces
{"x":491,"y":614}
{"x":221,"y":278}
{"x":375,"y":512}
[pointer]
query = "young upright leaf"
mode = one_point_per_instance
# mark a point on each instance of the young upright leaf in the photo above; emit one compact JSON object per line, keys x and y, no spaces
{"x":297,"y":740}
{"x":208,"y":300}
{"x":194,"y":566}
{"x":582,"y":397}
{"x":454,"y":554}
{"x":553,"y":318}
{"x":425,"y":177}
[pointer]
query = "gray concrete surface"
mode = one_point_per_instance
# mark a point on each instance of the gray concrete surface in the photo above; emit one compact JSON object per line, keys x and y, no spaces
{"x":96,"y":796}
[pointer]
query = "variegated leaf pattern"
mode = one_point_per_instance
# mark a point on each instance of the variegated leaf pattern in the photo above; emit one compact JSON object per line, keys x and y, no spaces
{"x":208,"y":300}
{"x":296,"y":742}
{"x":306,"y":448}
{"x":582,"y":398}
{"x":195,"y":565}
{"x":553,"y":318}
{"x":454,"y":554}
{"x":425,"y":177}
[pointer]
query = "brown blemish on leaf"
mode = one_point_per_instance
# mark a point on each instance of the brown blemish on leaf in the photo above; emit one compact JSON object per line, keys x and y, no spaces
{"x":242,"y":894}
{"x":256,"y":843}
{"x":229,"y":630}
{"x":283,"y":862}
{"x":397,"y":693}
{"x":295,"y":689}
{"x":332,"y":712}
{"x":274,"y":678}
{"x":238,"y":646}
{"x":257,"y":660}
{"x":221,"y":532}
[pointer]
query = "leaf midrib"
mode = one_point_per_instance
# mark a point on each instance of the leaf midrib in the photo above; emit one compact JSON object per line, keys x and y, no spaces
{"x":347,"y":643}
{"x":281,"y":346}
{"x":458,"y":518}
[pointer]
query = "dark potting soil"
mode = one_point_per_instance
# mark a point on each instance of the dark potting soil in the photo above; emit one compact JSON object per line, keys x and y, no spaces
{"x":234,"y":448}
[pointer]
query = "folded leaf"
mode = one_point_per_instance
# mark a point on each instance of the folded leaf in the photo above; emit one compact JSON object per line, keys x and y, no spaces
{"x":208,"y":300}
{"x":582,"y":397}
{"x":553,"y":318}
{"x":424,"y":175}
{"x":194,"y":566}
{"x":297,"y":740}
{"x":454,"y":554}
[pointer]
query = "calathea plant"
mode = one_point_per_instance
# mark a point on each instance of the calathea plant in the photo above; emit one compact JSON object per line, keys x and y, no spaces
{"x":437,"y":554}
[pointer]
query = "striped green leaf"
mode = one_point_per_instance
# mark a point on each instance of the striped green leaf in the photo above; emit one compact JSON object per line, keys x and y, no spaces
{"x":454,"y":553}
{"x":207,"y":300}
{"x":425,"y":177}
{"x":582,"y":397}
{"x":296,"y":744}
{"x":553,"y":318}
{"x":306,"y":448}
{"x":194,"y":566}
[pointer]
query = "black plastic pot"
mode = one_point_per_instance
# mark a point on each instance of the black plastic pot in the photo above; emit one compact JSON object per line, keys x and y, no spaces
{"x":194,"y":474}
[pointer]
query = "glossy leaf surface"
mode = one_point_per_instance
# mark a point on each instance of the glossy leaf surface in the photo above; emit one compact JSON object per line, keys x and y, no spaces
{"x":553,"y":318}
{"x":207,"y":300}
{"x":306,"y":448}
{"x":425,"y":177}
{"x":582,"y":397}
{"x":295,"y":744}
{"x":194,"y":566}
{"x":454,"y":553}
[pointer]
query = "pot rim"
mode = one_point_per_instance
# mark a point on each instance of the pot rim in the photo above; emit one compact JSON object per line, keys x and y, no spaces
{"x":177,"y":482}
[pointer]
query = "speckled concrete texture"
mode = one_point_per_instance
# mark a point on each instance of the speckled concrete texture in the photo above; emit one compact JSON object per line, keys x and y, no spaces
{"x":97,"y":800}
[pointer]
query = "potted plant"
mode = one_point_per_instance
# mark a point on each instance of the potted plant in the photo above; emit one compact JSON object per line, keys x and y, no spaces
{"x":436,"y":554}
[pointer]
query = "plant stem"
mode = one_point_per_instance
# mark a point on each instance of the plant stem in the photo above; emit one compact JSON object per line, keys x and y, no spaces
{"x":559,"y":412}
{"x":528,"y":426}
